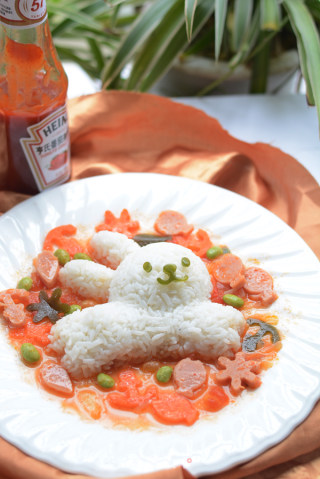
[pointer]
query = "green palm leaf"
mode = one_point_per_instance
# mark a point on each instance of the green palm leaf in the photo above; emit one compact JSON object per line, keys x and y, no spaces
{"x":270,"y":15}
{"x":220,"y":19}
{"x":189,"y":9}
{"x":177,"y":44}
{"x":309,"y":47}
{"x":164,"y":45}
{"x":241,"y":22}
{"x":140,"y":31}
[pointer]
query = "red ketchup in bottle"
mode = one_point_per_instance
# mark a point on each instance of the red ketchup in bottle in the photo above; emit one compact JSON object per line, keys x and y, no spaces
{"x":34,"y":134}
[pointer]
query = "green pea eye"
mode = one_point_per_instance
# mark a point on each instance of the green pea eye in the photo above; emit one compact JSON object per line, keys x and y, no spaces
{"x":185,"y":261}
{"x":147,"y":267}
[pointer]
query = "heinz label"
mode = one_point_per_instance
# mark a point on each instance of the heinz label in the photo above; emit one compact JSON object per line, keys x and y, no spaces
{"x":47,"y":149}
{"x":23,"y":13}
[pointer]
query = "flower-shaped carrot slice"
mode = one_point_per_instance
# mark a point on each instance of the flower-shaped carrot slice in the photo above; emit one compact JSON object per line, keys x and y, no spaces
{"x":239,"y":373}
{"x":171,"y":222}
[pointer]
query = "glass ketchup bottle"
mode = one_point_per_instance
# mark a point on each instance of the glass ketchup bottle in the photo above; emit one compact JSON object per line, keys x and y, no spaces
{"x":34,"y":134}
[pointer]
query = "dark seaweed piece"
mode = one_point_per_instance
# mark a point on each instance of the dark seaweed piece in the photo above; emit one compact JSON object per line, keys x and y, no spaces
{"x":250,"y":341}
{"x":225,"y":249}
{"x":55,"y":302}
{"x":49,"y":307}
{"x":144,"y":239}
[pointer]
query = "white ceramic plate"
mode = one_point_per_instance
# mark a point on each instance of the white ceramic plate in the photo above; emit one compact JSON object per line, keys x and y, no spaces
{"x":258,"y":420}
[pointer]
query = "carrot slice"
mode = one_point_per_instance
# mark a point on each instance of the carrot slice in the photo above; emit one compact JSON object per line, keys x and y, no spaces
{"x":198,"y":242}
{"x":61,"y":237}
{"x":11,"y":295}
{"x":171,"y":222}
{"x":218,"y":291}
{"x":134,"y":400}
{"x":214,"y":399}
{"x":37,"y":334}
{"x":228,"y":269}
{"x":47,"y":266}
{"x":90,"y":402}
{"x":128,"y":381}
{"x":131,"y":398}
{"x":171,"y":408}
{"x":124,"y":224}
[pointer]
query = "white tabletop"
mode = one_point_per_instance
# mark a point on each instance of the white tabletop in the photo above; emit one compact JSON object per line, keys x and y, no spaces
{"x":283,"y":120}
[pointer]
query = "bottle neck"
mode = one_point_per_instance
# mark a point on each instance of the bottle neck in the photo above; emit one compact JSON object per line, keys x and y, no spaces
{"x":24,"y":23}
{"x":22,"y":14}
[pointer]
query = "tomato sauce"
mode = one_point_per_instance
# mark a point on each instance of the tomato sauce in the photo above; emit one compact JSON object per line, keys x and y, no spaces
{"x":33,"y":89}
{"x":137,"y":399}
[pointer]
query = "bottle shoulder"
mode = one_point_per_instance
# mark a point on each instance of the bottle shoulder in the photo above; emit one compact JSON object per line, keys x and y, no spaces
{"x":32,"y":78}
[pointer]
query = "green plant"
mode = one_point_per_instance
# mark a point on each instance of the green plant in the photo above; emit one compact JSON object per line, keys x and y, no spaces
{"x":145,"y":43}
{"x":88,"y":32}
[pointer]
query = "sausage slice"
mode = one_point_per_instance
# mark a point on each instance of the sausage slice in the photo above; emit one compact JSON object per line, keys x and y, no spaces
{"x":56,"y":377}
{"x":229,"y":270}
{"x":47,"y":266}
{"x":259,"y":286}
{"x":189,"y":376}
{"x":14,"y":313}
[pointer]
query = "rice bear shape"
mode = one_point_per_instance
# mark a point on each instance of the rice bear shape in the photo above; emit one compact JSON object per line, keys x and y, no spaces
{"x":144,"y":318}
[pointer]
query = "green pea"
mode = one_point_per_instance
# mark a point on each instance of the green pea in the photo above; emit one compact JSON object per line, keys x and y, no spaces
{"x":29,"y":353}
{"x":185,"y":261}
{"x":147,"y":267}
{"x":105,"y":381}
{"x":25,"y":283}
{"x":164,"y":374}
{"x":233,"y":300}
{"x":62,"y":255}
{"x":73,"y":308}
{"x":214,"y":252}
{"x":82,"y":256}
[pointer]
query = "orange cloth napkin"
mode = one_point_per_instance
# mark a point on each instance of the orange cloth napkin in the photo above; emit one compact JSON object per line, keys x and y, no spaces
{"x":115,"y":132}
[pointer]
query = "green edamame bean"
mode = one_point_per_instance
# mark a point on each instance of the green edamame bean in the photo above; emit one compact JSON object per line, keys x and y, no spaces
{"x":82,"y":256}
{"x":214,"y":252}
{"x":73,"y":308}
{"x":105,"y":381}
{"x":25,"y":283}
{"x":29,"y":353}
{"x":62,"y":255}
{"x":233,"y":300}
{"x":164,"y":374}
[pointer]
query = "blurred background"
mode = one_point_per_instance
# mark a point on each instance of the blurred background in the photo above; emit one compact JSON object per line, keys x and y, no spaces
{"x":190,"y":47}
